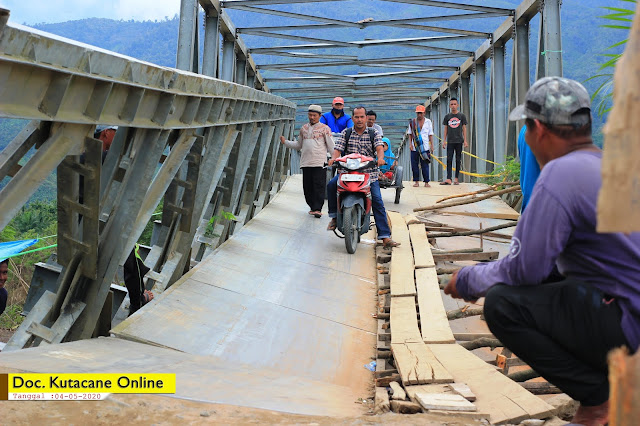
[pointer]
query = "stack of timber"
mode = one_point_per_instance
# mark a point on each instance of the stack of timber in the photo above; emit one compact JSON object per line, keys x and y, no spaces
{"x":418,"y":349}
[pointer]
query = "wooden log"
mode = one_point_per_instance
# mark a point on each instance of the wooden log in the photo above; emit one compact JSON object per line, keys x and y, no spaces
{"x":464,"y":313}
{"x":473,"y":232}
{"x":405,"y":407}
{"x":523,"y":376}
{"x":398,"y":393}
{"x":384,"y":381}
{"x":466,"y":250}
{"x":386,"y":373}
{"x":474,"y":200}
{"x":472,"y":336}
{"x":483,"y":342}
{"x":383,"y":354}
{"x":542,"y":388}
{"x":624,"y":394}
{"x":447,"y":269}
{"x":381,"y":401}
{"x":480,"y":191}
{"x":619,"y":194}
{"x":455,"y":257}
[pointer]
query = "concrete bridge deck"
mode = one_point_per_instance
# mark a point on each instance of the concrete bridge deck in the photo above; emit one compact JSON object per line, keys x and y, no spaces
{"x":278,"y":317}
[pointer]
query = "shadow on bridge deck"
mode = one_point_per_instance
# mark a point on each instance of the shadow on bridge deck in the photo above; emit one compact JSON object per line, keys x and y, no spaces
{"x":278,"y":317}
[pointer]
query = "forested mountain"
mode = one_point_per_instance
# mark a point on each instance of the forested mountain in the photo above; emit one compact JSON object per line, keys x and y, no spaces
{"x":583,"y":38}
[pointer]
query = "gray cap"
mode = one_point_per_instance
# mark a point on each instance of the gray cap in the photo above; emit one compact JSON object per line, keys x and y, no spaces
{"x":556,"y":101}
{"x":315,"y":108}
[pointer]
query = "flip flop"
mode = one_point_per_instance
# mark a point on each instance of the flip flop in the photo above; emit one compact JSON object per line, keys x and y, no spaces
{"x":456,"y":183}
{"x":332,"y":225}
{"x":317,"y":214}
{"x":416,"y":184}
{"x":311,"y":212}
{"x":390,"y":244}
{"x":445,"y":183}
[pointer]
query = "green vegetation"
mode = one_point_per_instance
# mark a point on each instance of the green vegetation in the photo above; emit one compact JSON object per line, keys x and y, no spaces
{"x":224,"y":216}
{"x":507,"y":172}
{"x":621,"y":19}
{"x":38,"y":219}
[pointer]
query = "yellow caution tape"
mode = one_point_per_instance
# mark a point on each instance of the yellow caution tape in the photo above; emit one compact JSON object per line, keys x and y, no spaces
{"x":471,"y":155}
{"x":462,"y":171}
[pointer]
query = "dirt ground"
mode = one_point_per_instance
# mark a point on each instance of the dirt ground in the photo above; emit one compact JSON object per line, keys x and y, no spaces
{"x":5,"y":335}
{"x":160,"y":410}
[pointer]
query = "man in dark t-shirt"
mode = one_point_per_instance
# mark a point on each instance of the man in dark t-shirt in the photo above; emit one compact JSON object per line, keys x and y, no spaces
{"x":4,"y":295}
{"x":455,"y":135}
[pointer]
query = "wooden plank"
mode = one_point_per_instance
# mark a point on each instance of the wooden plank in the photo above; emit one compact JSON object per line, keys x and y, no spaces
{"x":455,"y":257}
{"x":505,"y":400}
{"x":417,"y":364}
{"x":421,"y":248}
{"x":404,"y":320}
{"x":433,"y":317}
{"x":402,"y":277}
{"x":463,"y":390}
{"x":443,"y":401}
{"x":399,"y":228}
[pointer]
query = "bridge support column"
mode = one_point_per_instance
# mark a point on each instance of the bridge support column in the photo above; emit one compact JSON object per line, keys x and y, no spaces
{"x":552,"y":38}
{"x":228,"y":60}
{"x":211,"y":51}
{"x":187,"y":35}
{"x":241,"y":71}
{"x":499,"y":104}
{"x":480,"y":108}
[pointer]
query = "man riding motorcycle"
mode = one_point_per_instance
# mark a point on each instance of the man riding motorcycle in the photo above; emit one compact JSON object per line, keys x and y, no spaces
{"x":358,"y":140}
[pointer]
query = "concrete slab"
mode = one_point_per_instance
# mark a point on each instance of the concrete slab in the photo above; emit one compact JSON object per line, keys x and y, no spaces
{"x":198,"y":378}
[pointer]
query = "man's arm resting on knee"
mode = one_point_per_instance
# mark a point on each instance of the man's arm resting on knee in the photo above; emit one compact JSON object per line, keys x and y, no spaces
{"x":541,"y":236}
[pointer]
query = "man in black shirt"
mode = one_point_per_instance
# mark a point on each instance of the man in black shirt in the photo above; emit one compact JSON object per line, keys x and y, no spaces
{"x":455,"y":135}
{"x":4,"y":295}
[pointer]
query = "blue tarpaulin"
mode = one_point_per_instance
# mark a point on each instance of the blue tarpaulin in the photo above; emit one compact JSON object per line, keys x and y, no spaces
{"x":14,"y":247}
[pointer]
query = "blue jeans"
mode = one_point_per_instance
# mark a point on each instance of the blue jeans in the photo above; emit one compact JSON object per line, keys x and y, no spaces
{"x":416,"y":161}
{"x":379,"y":213}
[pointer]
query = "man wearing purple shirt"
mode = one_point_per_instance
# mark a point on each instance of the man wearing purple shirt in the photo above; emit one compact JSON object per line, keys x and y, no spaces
{"x":562,"y":325}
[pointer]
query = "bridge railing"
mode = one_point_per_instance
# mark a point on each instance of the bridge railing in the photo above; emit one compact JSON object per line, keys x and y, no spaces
{"x":196,"y":143}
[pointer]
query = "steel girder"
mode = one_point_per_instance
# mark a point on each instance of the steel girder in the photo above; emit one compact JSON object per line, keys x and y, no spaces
{"x":189,"y":125}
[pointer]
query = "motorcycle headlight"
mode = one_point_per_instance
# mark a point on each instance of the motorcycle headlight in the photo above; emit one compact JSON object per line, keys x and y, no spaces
{"x":353,"y":163}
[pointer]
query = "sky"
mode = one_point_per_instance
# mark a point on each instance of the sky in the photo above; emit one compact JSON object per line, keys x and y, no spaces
{"x":38,"y":11}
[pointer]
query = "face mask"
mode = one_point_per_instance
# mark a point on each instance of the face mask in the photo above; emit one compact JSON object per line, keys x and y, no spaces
{"x":336,"y":111}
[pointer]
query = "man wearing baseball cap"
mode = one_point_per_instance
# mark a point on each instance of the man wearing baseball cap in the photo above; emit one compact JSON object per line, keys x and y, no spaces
{"x":425,"y":127}
{"x":336,"y":119}
{"x":314,"y":142}
{"x":590,"y":300}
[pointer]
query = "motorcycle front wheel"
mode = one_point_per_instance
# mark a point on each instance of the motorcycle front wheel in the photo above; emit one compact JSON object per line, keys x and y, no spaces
{"x":351,"y":218}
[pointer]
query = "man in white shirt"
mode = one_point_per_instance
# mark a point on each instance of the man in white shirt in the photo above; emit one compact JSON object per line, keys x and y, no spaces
{"x":418,"y":163}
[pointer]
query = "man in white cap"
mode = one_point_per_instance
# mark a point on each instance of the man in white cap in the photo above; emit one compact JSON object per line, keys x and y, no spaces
{"x":336,"y":119}
{"x":565,"y":295}
{"x":314,"y":142}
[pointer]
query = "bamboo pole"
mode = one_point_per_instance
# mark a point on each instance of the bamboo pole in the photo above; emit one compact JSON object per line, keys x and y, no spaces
{"x":480,"y":191}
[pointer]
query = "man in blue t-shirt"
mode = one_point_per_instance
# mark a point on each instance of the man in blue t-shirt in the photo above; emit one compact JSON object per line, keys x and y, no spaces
{"x":4,"y":295}
{"x":336,"y":119}
{"x":565,"y":328}
{"x":529,"y":168}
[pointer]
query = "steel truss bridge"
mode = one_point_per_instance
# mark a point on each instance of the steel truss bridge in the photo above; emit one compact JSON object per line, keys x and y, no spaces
{"x":203,"y":137}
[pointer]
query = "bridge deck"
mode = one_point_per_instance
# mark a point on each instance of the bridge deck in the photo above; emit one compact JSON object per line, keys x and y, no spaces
{"x":278,"y":317}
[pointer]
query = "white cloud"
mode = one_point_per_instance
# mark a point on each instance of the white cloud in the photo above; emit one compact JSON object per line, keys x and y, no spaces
{"x":36,"y":11}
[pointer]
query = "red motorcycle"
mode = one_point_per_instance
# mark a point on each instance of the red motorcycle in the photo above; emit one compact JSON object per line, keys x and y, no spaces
{"x":354,"y":198}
